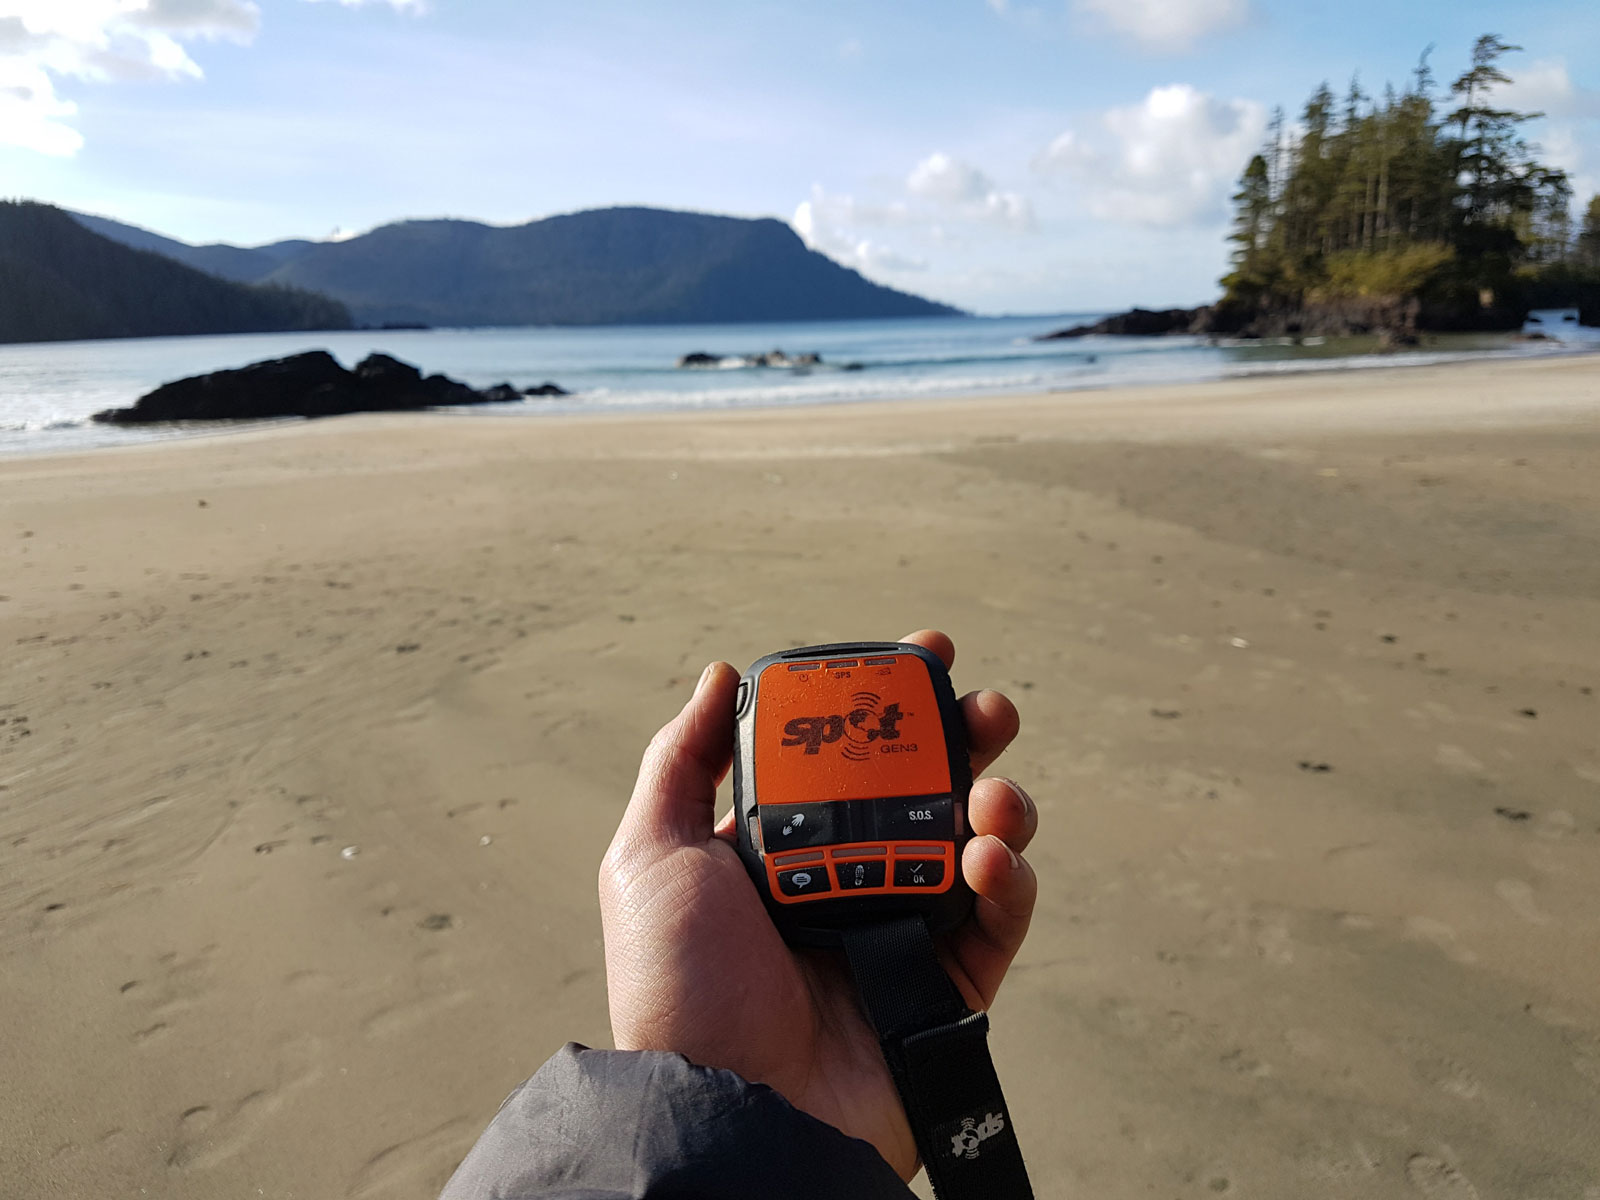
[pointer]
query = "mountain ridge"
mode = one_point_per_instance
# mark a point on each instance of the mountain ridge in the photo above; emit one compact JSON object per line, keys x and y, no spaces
{"x":620,"y":265}
{"x":60,"y":281}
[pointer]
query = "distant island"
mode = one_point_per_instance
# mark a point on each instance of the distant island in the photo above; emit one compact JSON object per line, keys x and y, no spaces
{"x":1397,"y":217}
{"x":60,"y":281}
{"x":602,"y":267}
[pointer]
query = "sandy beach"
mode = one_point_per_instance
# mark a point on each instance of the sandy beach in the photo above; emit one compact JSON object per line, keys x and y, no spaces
{"x":311,"y":739}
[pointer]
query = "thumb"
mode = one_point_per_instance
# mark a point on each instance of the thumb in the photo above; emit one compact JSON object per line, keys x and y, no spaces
{"x":674,"y":799}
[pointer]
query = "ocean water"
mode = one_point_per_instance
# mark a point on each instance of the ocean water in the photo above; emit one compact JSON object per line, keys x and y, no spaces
{"x":49,"y":391}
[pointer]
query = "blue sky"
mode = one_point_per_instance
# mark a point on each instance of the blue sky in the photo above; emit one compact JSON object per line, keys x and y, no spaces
{"x":1002,"y":155}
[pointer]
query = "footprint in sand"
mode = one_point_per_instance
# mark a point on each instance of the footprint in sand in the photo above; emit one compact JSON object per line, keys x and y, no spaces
{"x":1440,"y":1071}
{"x":421,"y":1163}
{"x":205,"y":1139}
{"x":398,"y":1018}
{"x":1438,"y":1180}
{"x":1519,"y":896}
{"x":1440,"y":935}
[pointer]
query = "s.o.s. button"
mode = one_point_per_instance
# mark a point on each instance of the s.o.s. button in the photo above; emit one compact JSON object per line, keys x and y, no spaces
{"x":915,"y":818}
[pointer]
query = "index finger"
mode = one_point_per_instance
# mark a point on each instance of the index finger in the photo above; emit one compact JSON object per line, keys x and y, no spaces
{"x":991,"y":718}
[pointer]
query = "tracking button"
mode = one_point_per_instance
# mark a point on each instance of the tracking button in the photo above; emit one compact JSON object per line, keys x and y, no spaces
{"x":796,"y":826}
{"x":918,"y":872}
{"x":915,"y":818}
{"x":806,"y":881}
{"x":852,"y":875}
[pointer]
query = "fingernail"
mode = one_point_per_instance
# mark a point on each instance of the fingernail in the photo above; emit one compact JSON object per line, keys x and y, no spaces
{"x":704,"y":675}
{"x":1015,"y":861}
{"x":1022,"y":794}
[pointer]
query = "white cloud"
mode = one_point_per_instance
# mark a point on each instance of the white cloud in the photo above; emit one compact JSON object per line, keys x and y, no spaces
{"x":950,"y":182}
{"x":415,"y":6}
{"x":1571,"y":129}
{"x":823,"y":224}
{"x":1166,"y":26}
{"x":940,"y":177}
{"x":1171,"y":160}
{"x":839,"y":209}
{"x":30,"y":114}
{"x":1545,"y":86}
{"x":43,"y":41}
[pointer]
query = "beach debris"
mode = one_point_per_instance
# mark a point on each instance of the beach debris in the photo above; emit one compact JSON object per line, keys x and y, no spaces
{"x":437,"y":922}
{"x":1530,"y":713}
{"x":1239,"y":643}
{"x":485,"y":840}
{"x":408,"y":647}
{"x":349,"y":852}
{"x":269,"y":847}
{"x":1315,"y":768}
{"x":1166,"y":714}
{"x":1513,"y":814}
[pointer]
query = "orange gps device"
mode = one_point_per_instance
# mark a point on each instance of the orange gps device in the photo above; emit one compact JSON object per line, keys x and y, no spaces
{"x":850,"y":783}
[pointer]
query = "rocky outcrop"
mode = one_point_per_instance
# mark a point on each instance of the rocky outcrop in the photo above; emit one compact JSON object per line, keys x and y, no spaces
{"x":1137,"y":322}
{"x":546,"y":389}
{"x":1398,"y":317}
{"x":304,"y":385}
{"x":769,"y":358}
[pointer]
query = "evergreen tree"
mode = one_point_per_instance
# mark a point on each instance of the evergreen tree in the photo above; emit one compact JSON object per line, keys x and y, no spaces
{"x":1588,"y":248}
{"x":1386,"y":197}
{"x":1253,"y":216}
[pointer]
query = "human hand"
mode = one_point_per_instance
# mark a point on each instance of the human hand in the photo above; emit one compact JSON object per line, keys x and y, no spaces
{"x":695,"y":965}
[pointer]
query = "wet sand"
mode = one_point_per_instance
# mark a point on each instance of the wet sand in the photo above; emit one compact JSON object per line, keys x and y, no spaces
{"x":311,"y":739}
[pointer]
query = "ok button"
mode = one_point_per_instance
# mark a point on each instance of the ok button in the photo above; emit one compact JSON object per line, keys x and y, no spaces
{"x":795,"y":826}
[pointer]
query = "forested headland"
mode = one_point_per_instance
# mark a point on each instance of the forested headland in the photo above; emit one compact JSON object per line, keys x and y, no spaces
{"x":1411,"y":211}
{"x":59,"y":281}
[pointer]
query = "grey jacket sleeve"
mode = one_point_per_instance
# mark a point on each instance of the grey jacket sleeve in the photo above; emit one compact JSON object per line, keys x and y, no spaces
{"x":608,"y":1125}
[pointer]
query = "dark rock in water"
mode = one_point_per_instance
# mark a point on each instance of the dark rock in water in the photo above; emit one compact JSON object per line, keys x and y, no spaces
{"x":1535,"y":320}
{"x":546,"y":389}
{"x":1136,"y":322}
{"x":1569,"y":316}
{"x":501,"y":393}
{"x":1532,"y":335}
{"x":769,"y":358}
{"x":853,"y":366}
{"x":304,"y":385}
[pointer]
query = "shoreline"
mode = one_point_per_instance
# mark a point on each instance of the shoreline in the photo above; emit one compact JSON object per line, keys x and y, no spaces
{"x":15,"y":442}
{"x":1122,"y":397}
{"x":1114,"y":410}
{"x":1306,"y":669}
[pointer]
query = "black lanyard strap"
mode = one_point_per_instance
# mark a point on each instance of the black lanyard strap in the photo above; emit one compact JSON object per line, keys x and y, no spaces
{"x":938,"y":1053}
